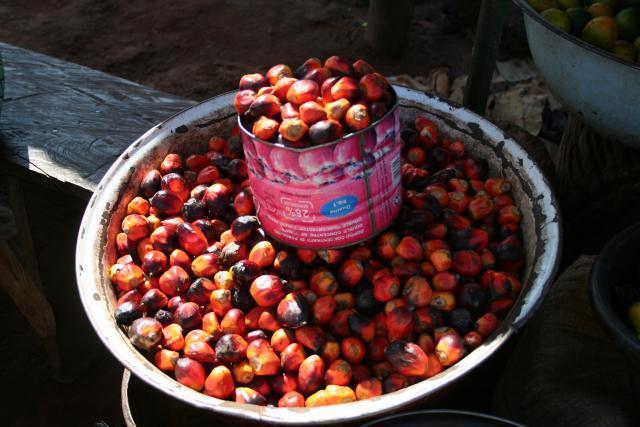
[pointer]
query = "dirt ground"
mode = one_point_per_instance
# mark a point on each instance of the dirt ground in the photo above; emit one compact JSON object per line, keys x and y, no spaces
{"x":195,"y":49}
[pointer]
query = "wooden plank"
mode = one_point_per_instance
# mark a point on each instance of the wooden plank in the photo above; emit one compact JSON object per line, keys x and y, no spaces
{"x":68,"y":122}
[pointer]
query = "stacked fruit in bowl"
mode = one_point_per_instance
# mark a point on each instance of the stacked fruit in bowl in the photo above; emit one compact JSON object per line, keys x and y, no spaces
{"x":612,"y":25}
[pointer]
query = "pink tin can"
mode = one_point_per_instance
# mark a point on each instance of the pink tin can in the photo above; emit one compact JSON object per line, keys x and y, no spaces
{"x":331,"y":195}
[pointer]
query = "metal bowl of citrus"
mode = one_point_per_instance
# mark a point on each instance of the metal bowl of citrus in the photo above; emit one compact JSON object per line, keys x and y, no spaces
{"x":587,"y":53}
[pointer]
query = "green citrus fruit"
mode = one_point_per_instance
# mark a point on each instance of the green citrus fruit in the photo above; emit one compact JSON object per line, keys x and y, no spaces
{"x":600,"y":9}
{"x":579,"y":18}
{"x":601,"y":32}
{"x":625,"y":50}
{"x":557,"y":18}
{"x":542,"y":5}
{"x":628,"y":22}
{"x":568,"y":4}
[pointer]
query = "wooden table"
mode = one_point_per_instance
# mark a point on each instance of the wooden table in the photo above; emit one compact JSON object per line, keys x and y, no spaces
{"x":62,"y":125}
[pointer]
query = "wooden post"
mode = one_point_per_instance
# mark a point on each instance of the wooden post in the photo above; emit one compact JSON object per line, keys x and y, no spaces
{"x":388,"y":25}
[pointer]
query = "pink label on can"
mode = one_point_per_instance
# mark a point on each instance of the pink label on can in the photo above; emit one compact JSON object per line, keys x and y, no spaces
{"x":332,"y":195}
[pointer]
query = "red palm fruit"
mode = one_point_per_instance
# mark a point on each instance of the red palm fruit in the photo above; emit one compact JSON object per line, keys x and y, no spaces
{"x":220,"y":301}
{"x":440,"y":193}
{"x":362,"y":67}
{"x":443,"y":300}
{"x":174,"y":281}
{"x":317,"y":399}
{"x":331,"y":256}
{"x":243,"y":100}
{"x":150,"y":183}
{"x":293,"y":310}
{"x":347,"y":88}
{"x":252,"y":81}
{"x":516,"y":285}
{"x":486,"y":324}
{"x":231,"y":348}
{"x":323,"y":282}
{"x":191,"y":239}
{"x":502,"y":201}
{"x":456,"y":148}
{"x":500,"y":307}
{"x":440,"y":332}
{"x":308,"y":65}
{"x":375,"y":349}
{"x":198,"y":335}
{"x":380,"y":323}
{"x":281,"y":339}
{"x":475,"y":168}
{"x":435,"y":367}
{"x":368,"y":388}
{"x":136,"y":227}
{"x":281,"y":88}
{"x":197,"y":162}
{"x":205,"y":265}
{"x":219,"y":383}
{"x":399,"y":323}
{"x":339,"y":323}
{"x":163,"y":239}
{"x":172,"y":338}
{"x":409,"y":248}
{"x":426,"y":319}
{"x":373,"y":86}
{"x":458,"y":184}
{"x":477,"y":187}
{"x":344,"y":300}
{"x":261,"y":385}
{"x":497,"y":186}
{"x":243,"y":372}
{"x":427,"y":131}
{"x":393,"y":304}
{"x":362,"y":327}
{"x":336,"y":394}
{"x":166,"y":203}
{"x":283,"y":383}
{"x":425,"y":342}
{"x":407,"y":358}
{"x":353,"y":349}
{"x":440,"y":258}
{"x":264,"y":105}
{"x":404,"y":269}
{"x":176,"y":184}
{"x":350,"y":273}
{"x":455,"y":221}
{"x":318,"y":75}
{"x":277,"y":72}
{"x":487,"y":259}
{"x":472,"y":340}
{"x":233,"y":322}
{"x":497,"y":283}
{"x":338,"y":66}
{"x":292,"y":399}
{"x":325,"y":89}
{"x":265,"y":128}
{"x":435,"y":231}
{"x":417,"y":156}
{"x":417,"y":291}
{"x":208,"y":175}
{"x":188,"y":316}
{"x":312,"y":112}
{"x":267,"y":290}
{"x":211,"y":325}
{"x":200,"y":351}
{"x":175,"y":302}
{"x":336,"y":110}
{"x":311,"y":337}
{"x":458,"y":201}
{"x":360,"y":372}
{"x":293,"y":129}
{"x":262,"y":254}
{"x":262,"y":358}
{"x":166,"y":360}
{"x":253,"y":316}
{"x":243,"y":203}
{"x":224,"y":280}
{"x":153,"y":300}
{"x":172,"y":162}
{"x":509,"y":215}
{"x":311,"y":374}
{"x":480,"y":207}
{"x":172,"y":223}
{"x":216,"y":143}
{"x":325,"y":131}
{"x":303,"y":91}
{"x":386,"y":288}
{"x":292,"y":357}
{"x":430,"y":246}
{"x":338,"y":373}
{"x":268,"y":320}
{"x":357,"y":116}
{"x":126,"y":276}
{"x":394,"y":382}
{"x":243,"y":226}
{"x":190,"y":372}
{"x":330,"y":351}
{"x":322,"y":310}
{"x":467,"y":263}
{"x":450,"y":349}
{"x":250,"y":396}
{"x":427,"y":268}
{"x":142,"y":249}
{"x":290,"y":111}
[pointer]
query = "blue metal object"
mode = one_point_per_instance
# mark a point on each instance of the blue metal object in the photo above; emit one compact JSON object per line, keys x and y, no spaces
{"x":601,"y":88}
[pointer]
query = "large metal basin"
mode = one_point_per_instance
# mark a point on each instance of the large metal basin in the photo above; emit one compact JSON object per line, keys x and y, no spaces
{"x":598,"y":86}
{"x":189,"y":130}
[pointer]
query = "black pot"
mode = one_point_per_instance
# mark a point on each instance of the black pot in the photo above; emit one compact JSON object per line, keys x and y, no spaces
{"x":442,"y":418}
{"x":617,"y":267}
